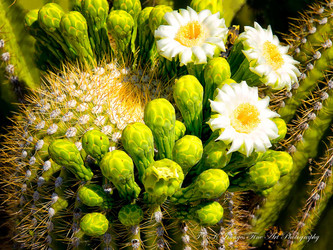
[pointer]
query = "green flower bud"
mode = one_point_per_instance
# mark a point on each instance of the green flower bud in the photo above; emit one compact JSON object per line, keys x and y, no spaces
{"x":261,"y":176}
{"x":187,"y":152}
{"x":130,"y":215}
{"x":65,"y":153}
{"x":208,"y":214}
{"x":120,"y":25}
{"x":162,"y":179}
{"x":282,"y":127}
{"x":74,"y":29}
{"x":180,"y":130}
{"x":160,"y":117}
{"x":146,"y":40}
{"x":216,"y":71}
{"x":132,"y":7}
{"x":215,"y":155}
{"x":188,"y":95}
{"x":95,"y":144}
{"x":138,"y":142}
{"x":212,"y":5}
{"x":49,"y":17}
{"x":94,"y":195}
{"x":96,"y":13}
{"x":210,"y":184}
{"x":283,"y":160}
{"x":156,"y":17}
{"x":118,"y":167}
{"x":94,"y":224}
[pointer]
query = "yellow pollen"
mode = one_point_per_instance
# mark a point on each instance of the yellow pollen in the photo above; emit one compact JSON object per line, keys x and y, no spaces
{"x":245,"y":118}
{"x":190,"y":35}
{"x":272,"y":55}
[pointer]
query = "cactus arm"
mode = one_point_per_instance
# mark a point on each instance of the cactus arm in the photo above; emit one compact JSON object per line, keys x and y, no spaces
{"x":155,"y":229}
{"x":17,"y":73}
{"x":317,"y":73}
{"x":305,"y":149}
{"x":188,"y":95}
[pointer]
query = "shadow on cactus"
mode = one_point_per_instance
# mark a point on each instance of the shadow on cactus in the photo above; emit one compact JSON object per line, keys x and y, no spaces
{"x":143,"y":137}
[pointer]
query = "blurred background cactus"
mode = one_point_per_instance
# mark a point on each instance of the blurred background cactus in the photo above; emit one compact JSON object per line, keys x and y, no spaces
{"x":162,"y":181}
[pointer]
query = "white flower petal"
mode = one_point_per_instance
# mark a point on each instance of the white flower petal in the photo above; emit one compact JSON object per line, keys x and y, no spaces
{"x":236,"y":128}
{"x":200,"y":55}
{"x":274,"y":67}
{"x":191,"y":49}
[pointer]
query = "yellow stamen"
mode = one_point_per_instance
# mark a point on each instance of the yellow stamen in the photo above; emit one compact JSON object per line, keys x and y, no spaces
{"x":272,"y":55}
{"x":190,"y":35}
{"x":245,"y":118}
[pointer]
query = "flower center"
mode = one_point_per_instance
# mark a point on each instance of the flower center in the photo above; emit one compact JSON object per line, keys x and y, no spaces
{"x":272,"y":55}
{"x":190,"y":34}
{"x":245,"y":118}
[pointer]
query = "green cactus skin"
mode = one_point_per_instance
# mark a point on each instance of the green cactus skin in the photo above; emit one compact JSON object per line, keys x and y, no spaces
{"x":95,"y":144}
{"x":121,"y":25}
{"x":161,"y":180}
{"x":188,"y":95}
{"x":66,"y":154}
{"x":317,"y":201}
{"x":138,"y":141}
{"x":160,"y":117}
{"x":17,"y":72}
{"x":305,"y":149}
{"x":96,"y":13}
{"x":132,"y":7}
{"x":187,"y":152}
{"x":94,"y":224}
{"x":210,"y":184}
{"x":118,"y":167}
{"x":312,"y":46}
{"x":315,"y":53}
{"x":131,"y":216}
{"x":77,"y":5}
{"x":94,"y":195}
